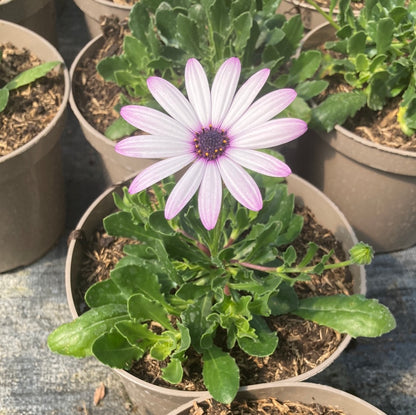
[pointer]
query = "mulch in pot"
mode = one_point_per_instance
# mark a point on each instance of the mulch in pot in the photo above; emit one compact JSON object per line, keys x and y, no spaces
{"x":270,"y":406}
{"x":30,"y":108}
{"x":302,"y":344}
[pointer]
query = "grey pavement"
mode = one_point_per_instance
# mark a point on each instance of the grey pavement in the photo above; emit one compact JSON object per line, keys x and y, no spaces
{"x":33,"y":380}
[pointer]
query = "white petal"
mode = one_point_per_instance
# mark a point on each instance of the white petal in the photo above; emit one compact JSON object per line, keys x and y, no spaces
{"x":263,"y":110}
{"x":240,"y":184}
{"x":197,"y":87}
{"x":210,"y":196}
{"x":152,"y":146}
{"x":245,"y":96}
{"x":173,"y":102}
{"x":153,"y":122}
{"x":223,"y":89}
{"x":271,"y":133}
{"x":159,"y":171}
{"x":260,"y":162}
{"x":184,"y":189}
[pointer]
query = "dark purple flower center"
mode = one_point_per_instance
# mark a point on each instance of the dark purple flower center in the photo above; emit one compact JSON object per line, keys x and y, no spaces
{"x":210,"y":143}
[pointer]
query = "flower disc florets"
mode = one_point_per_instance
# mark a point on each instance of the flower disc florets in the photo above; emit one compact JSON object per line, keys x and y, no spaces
{"x":217,"y":131}
{"x":210,"y":143}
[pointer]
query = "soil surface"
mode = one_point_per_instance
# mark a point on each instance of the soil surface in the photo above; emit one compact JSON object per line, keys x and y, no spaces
{"x":302,"y":344}
{"x":269,"y":406}
{"x":30,"y":108}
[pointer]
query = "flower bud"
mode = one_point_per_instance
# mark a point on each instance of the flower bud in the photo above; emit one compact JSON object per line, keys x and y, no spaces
{"x":361,"y":253}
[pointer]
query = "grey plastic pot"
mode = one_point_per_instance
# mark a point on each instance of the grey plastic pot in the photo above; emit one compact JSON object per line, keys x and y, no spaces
{"x":152,"y":399}
{"x":117,"y":168}
{"x":304,"y":392}
{"x":32,"y":202}
{"x":39,"y":16}
{"x":374,"y":185}
{"x":94,"y":9}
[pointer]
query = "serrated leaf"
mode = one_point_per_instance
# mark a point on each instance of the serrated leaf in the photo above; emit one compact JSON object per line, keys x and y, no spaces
{"x":336,"y":109}
{"x":107,"y":67}
{"x":354,"y":315}
{"x":305,"y":66}
{"x":187,"y":35}
{"x":310,"y":89}
{"x":77,"y":337}
{"x":384,"y":36}
{"x":221,"y":375}
{"x":115,"y":351}
{"x":266,"y":341}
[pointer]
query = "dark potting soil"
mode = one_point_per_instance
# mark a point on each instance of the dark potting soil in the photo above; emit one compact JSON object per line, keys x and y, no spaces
{"x":30,"y":108}
{"x":268,"y":406}
{"x":302,"y":344}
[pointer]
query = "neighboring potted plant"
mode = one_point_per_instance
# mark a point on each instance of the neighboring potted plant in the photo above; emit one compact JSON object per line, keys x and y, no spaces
{"x":164,"y":36}
{"x":364,"y":136}
{"x":95,"y":10}
{"x":39,"y":16}
{"x":32,"y":205}
{"x":292,"y":396}
{"x":217,"y":270}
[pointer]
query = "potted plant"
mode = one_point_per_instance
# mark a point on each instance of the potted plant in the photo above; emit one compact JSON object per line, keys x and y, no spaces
{"x":364,"y":136}
{"x":312,"y":11}
{"x":94,"y":10}
{"x":292,"y":396}
{"x":32,"y":205}
{"x":166,"y":35}
{"x":39,"y":16}
{"x":217,"y":270}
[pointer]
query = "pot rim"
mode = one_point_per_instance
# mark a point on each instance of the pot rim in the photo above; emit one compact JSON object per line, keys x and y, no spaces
{"x":93,"y":43}
{"x":360,"y":287}
{"x":303,"y":386}
{"x":65,"y":97}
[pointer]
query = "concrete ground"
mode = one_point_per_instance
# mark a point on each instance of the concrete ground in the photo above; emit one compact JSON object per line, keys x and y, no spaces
{"x":33,"y":380}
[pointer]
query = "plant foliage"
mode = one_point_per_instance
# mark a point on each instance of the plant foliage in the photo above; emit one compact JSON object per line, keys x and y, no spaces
{"x":192,"y":283}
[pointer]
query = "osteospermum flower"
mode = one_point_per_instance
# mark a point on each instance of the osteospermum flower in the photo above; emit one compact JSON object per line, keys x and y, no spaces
{"x":216,"y":132}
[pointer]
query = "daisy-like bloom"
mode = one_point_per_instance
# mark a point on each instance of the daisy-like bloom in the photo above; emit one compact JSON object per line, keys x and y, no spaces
{"x":216,"y":132}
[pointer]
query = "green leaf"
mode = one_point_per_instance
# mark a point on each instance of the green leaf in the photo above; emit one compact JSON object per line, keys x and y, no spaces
{"x":284,"y":301}
{"x":173,"y":372}
{"x":310,"y":89}
{"x":305,"y":66}
{"x":336,"y":109}
{"x":384,"y":36}
{"x":30,"y":75}
{"x":164,"y":346}
{"x":143,"y":309}
{"x":107,"y":67}
{"x":104,"y":292}
{"x":119,"y":129}
{"x":136,"y":52}
{"x":115,"y":351}
{"x":188,"y":36}
{"x":356,"y":43}
{"x":242,"y":26}
{"x":266,"y":342}
{"x":354,"y":315}
{"x":4,"y":97}
{"x":221,"y":375}
{"x":139,"y":22}
{"x":77,"y":337}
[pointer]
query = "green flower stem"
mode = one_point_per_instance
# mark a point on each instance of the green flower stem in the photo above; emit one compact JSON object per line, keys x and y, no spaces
{"x":327,"y":16}
{"x":292,"y":270}
{"x":198,"y":244}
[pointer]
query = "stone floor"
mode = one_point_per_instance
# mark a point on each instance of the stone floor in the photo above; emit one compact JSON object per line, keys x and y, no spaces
{"x":33,"y":380}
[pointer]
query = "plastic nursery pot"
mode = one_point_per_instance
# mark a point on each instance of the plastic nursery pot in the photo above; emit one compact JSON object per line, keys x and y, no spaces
{"x":117,"y":168}
{"x":94,"y":9}
{"x":162,"y":399}
{"x":32,"y":202}
{"x":304,"y":392}
{"x":39,"y":16}
{"x":374,"y":185}
{"x":311,"y":18}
